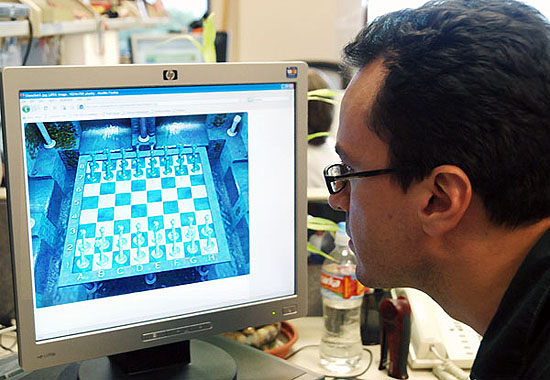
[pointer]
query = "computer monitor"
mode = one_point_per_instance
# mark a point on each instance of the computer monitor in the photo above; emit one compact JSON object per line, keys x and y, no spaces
{"x":165,"y":48}
{"x":153,"y":204}
{"x":174,"y":48}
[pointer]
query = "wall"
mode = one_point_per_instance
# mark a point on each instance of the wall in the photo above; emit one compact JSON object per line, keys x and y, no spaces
{"x":90,"y":49}
{"x":312,"y":30}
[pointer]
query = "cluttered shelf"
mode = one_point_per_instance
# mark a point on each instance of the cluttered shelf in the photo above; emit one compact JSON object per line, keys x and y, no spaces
{"x":19,"y":28}
{"x":14,"y":28}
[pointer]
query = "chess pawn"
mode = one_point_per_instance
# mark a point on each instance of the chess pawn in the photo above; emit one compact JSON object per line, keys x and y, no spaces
{"x":82,"y":262}
{"x":181,"y":154}
{"x":139,"y":240}
{"x":153,"y":170}
{"x":165,"y":154}
{"x":152,"y":153}
{"x":122,"y":241}
{"x":210,"y":245}
{"x":190,"y":230}
{"x":108,"y":171}
{"x":174,"y":236}
{"x":157,"y":253}
{"x":91,"y":176}
{"x":84,"y":244}
{"x":192,"y":248}
{"x":94,"y":165}
{"x":121,"y":258}
{"x":102,"y":244}
{"x":137,"y":165}
{"x":207,"y":229}
{"x":109,"y":160}
{"x":123,"y":162}
{"x":180,"y":160}
{"x":195,"y":158}
{"x":167,"y":161}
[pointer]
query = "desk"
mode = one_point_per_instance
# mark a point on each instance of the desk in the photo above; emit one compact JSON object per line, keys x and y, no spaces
{"x":252,"y":364}
{"x":309,"y":333}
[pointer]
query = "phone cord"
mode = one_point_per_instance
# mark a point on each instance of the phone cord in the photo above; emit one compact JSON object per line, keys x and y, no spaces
{"x":448,"y":370}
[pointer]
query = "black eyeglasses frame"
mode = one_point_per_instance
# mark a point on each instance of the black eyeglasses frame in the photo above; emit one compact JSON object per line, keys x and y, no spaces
{"x":329,"y":179}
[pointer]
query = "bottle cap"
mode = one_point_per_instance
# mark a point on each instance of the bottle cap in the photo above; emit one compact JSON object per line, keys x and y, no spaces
{"x":341,"y":238}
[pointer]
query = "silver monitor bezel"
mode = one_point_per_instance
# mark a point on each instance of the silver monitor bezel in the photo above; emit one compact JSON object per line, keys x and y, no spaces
{"x":33,"y":355}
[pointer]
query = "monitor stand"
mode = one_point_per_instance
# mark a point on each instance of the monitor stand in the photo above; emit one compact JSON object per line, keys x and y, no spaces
{"x":187,"y":360}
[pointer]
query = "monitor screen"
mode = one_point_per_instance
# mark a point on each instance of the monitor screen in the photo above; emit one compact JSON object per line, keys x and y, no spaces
{"x":165,"y":48}
{"x":153,"y":204}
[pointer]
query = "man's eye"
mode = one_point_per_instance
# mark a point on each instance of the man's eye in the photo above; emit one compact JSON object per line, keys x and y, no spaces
{"x":346,"y":169}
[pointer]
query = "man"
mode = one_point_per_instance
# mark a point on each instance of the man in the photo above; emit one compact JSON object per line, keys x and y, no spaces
{"x":444,"y":139}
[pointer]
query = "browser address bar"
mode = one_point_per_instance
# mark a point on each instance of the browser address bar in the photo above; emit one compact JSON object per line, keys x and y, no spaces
{"x":167,"y":103}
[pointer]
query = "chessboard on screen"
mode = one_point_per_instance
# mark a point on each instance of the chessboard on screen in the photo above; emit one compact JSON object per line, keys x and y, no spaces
{"x":125,"y":205}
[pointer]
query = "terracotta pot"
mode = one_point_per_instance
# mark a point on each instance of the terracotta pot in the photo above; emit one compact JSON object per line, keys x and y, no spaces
{"x":290,"y":333}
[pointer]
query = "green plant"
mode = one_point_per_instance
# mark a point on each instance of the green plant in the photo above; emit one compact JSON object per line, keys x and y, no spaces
{"x":219,"y":120}
{"x":326,"y":95}
{"x":63,"y":132}
{"x":208,"y":47}
{"x":312,"y":136}
{"x":70,"y":158}
{"x":320,"y":224}
{"x":32,"y":139}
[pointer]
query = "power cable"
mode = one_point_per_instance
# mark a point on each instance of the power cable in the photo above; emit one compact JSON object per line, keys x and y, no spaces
{"x":28,"y":50}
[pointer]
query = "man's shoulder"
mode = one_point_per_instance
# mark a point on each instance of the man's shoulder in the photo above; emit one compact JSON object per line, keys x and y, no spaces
{"x":516,"y":345}
{"x":538,"y":367}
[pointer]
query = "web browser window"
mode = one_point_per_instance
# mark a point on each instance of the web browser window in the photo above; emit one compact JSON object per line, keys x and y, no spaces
{"x":159,"y":201}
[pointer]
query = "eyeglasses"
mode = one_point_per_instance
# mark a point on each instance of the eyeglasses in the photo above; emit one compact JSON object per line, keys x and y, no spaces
{"x":337,"y":176}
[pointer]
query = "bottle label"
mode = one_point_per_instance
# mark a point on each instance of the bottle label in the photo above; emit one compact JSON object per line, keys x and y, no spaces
{"x":343,"y":286}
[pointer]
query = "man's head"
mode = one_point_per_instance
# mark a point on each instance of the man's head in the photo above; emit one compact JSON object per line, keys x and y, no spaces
{"x":455,"y":97}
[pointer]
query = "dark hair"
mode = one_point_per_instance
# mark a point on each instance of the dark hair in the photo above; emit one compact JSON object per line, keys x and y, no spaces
{"x":468,"y":84}
{"x":319,"y":114}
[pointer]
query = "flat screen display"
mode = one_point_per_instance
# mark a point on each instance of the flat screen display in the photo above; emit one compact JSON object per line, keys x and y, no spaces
{"x":147,"y":203}
{"x":165,"y":48}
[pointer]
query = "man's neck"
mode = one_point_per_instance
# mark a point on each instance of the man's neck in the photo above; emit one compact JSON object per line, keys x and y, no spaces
{"x":477,"y":274}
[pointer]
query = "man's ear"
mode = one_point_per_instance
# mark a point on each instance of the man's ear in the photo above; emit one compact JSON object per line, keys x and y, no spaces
{"x":447,"y":193}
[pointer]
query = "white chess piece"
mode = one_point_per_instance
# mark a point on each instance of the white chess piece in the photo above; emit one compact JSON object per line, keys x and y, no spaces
{"x":233,"y":130}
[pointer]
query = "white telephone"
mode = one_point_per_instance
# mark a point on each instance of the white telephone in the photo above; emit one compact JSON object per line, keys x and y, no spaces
{"x":434,"y":333}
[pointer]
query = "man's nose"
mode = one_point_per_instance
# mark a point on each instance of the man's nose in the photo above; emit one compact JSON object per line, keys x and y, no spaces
{"x":339,"y":201}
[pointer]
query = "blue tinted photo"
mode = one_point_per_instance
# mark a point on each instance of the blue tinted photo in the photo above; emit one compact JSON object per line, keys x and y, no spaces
{"x":126,"y":205}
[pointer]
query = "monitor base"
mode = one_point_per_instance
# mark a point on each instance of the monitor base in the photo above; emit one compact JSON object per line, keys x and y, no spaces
{"x":207,"y":362}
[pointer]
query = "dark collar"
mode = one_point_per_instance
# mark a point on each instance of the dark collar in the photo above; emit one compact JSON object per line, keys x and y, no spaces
{"x":511,"y":339}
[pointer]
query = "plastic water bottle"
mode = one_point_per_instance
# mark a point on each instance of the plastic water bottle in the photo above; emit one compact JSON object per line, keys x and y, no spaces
{"x":340,"y":349}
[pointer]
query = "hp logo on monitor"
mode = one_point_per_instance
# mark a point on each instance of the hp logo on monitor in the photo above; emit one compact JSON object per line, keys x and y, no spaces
{"x":170,"y":74}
